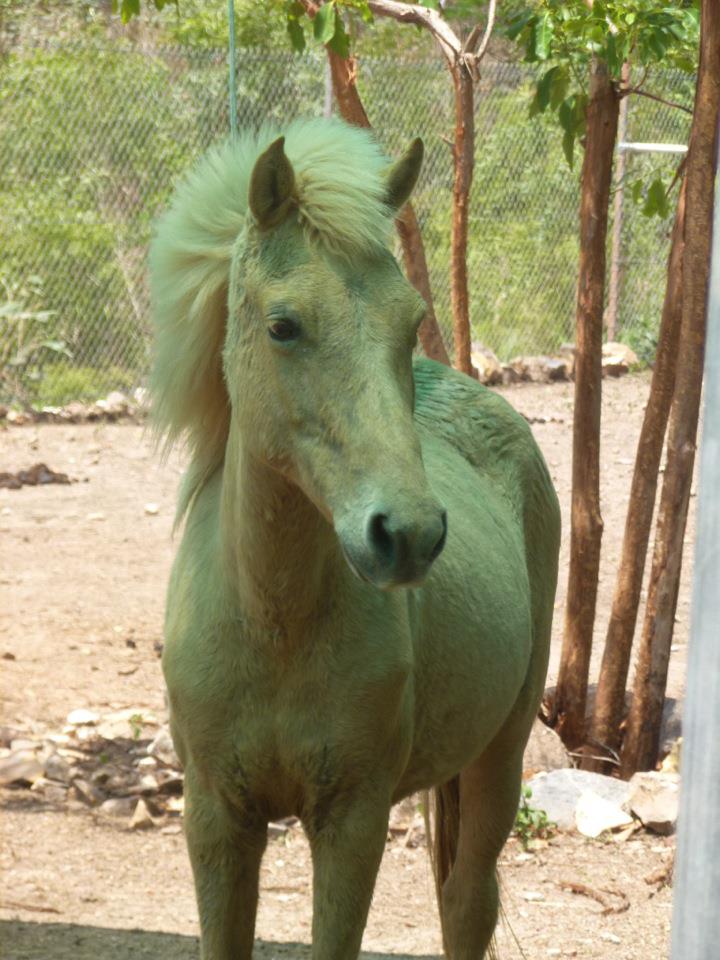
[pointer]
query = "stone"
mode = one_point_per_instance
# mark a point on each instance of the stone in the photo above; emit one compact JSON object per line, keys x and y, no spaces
{"x":87,"y":792}
{"x":147,"y":785}
{"x":7,"y":735}
{"x":152,"y":509}
{"x":81,"y":718}
{"x":147,"y":763}
{"x":57,"y":768}
{"x":169,"y":781}
{"x":558,"y":369}
{"x":544,"y":751}
{"x":509,"y":375}
{"x":119,"y":807}
{"x":141,"y":819}
{"x":22,"y":766}
{"x":22,"y":743}
{"x":489,"y":368}
{"x":595,"y":815}
{"x":617,"y":359}
{"x":49,"y":790}
{"x":671,"y":763}
{"x":131,"y":724}
{"x":558,"y":792}
{"x":163,"y":750}
{"x":654,"y":799}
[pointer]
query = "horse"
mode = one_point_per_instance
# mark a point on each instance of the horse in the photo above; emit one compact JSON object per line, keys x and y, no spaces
{"x":361,"y":602}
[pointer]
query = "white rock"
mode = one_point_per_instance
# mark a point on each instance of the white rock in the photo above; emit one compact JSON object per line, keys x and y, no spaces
{"x":558,"y":792}
{"x":50,"y":790}
{"x":152,"y":509}
{"x":610,"y":937}
{"x":147,"y":763}
{"x":595,"y":815}
{"x":119,"y":807}
{"x":532,"y":896}
{"x":88,"y":792}
{"x":81,"y":718}
{"x":163,"y":750}
{"x":654,"y":799}
{"x":141,"y":819}
{"x":21,"y":767}
{"x":22,"y":743}
{"x":57,"y":768}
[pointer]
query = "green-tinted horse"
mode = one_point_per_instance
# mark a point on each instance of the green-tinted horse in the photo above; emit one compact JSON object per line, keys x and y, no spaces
{"x":326,"y":469}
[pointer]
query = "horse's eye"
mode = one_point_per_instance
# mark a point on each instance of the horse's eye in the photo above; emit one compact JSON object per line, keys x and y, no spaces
{"x":284,"y":330}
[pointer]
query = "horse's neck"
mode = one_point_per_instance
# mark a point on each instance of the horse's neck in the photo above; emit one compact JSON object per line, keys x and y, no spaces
{"x":280,"y":550}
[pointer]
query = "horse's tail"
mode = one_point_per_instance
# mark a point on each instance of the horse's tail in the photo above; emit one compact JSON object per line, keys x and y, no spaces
{"x":442,"y":827}
{"x":190,"y":260}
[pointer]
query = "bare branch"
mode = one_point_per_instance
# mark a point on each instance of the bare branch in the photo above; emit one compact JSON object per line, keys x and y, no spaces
{"x":653,"y":96}
{"x":425,"y":17}
{"x":472,"y":40}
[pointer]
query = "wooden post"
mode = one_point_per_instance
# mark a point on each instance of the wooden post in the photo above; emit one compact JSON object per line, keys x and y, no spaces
{"x":696,"y":917}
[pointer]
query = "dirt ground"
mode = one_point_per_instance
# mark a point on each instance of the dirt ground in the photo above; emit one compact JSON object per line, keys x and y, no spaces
{"x":83,"y":570}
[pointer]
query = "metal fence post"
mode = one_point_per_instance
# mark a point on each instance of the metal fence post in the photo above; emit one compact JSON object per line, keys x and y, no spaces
{"x":696,"y":908}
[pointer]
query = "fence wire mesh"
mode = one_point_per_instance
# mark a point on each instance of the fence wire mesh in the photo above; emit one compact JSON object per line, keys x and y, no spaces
{"x":93,"y":137}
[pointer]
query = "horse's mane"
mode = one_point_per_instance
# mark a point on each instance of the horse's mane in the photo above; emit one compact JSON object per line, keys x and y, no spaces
{"x":340,"y":188}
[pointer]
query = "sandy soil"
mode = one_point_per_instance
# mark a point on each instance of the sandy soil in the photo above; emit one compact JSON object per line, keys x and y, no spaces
{"x":82,"y":580}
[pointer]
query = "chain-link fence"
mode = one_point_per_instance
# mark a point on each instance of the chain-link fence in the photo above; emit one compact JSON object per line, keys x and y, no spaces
{"x":92,"y":138}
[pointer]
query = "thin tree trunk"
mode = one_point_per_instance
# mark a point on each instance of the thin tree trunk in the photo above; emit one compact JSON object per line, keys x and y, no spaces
{"x":605,"y":734}
{"x":640,"y":748}
{"x":463,"y":157}
{"x":586,"y":520}
{"x":344,"y":74}
{"x":613,"y":305}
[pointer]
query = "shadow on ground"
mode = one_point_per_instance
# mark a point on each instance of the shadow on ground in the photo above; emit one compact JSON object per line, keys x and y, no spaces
{"x":68,"y":941}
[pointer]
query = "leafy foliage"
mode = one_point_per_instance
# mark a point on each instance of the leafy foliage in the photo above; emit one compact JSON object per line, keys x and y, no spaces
{"x":568,"y":35}
{"x":530,"y":823}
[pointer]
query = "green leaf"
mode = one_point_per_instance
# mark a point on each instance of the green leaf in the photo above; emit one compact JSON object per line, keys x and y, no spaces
{"x":559,"y":87}
{"x":568,"y":145}
{"x":340,"y":42}
{"x":656,"y":202}
{"x":542,"y":93}
{"x":543,"y":34}
{"x":296,"y":34}
{"x":566,"y":114}
{"x":636,"y":191}
{"x":518,"y":24}
{"x":325,"y":22}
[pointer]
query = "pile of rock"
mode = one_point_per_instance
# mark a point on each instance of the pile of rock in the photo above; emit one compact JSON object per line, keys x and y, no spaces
{"x":122,"y":765}
{"x":617,"y":359}
{"x":116,"y":406}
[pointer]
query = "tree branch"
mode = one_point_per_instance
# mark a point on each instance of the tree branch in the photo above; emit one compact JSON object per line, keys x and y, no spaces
{"x":653,"y":96}
{"x":472,"y":40}
{"x":422,"y":17}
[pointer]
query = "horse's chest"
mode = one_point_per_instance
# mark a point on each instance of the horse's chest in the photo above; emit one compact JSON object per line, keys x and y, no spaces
{"x":281,"y":737}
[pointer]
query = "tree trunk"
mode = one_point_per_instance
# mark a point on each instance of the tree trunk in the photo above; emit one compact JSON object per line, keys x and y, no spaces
{"x":642,"y":739}
{"x":605,"y":735}
{"x":344,"y":74}
{"x":463,"y":161}
{"x":586,"y":520}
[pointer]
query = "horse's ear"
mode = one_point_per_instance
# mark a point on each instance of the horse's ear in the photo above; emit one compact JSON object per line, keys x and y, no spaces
{"x":272,"y":186}
{"x":402,"y":176}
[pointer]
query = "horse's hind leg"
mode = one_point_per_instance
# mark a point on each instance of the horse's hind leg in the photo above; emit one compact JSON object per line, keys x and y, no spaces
{"x":489,"y":792}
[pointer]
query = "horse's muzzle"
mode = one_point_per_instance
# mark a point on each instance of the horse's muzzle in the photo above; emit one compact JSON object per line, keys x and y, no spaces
{"x":396,"y":551}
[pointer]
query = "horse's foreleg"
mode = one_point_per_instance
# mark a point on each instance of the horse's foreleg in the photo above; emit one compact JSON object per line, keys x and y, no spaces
{"x":225,"y":854}
{"x":347,"y":847}
{"x":489,"y":793}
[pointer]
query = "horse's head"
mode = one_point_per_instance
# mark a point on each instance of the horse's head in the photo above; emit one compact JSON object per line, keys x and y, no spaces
{"x":318,"y":361}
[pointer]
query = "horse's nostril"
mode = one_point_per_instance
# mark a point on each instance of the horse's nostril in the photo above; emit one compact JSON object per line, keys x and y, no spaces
{"x":379,"y":537}
{"x":437,"y":549}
